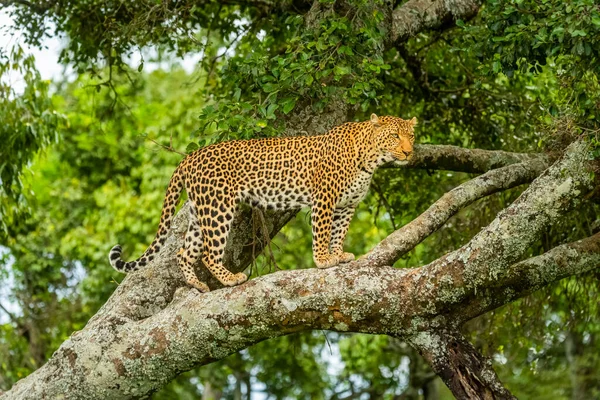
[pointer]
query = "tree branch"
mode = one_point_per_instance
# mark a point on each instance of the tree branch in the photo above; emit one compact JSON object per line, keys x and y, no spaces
{"x":416,"y":16}
{"x":529,"y":275}
{"x":466,"y":372}
{"x":454,"y":158}
{"x":10,"y":315}
{"x":406,"y":238}
{"x":479,"y":264}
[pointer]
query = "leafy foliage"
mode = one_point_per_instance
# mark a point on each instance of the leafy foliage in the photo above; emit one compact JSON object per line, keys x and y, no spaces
{"x":29,"y":123}
{"x":272,"y":75}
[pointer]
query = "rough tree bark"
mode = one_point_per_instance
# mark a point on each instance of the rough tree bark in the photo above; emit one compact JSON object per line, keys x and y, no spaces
{"x":149,"y":332}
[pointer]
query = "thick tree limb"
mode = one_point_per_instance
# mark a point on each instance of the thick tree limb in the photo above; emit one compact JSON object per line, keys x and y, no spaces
{"x":129,"y":352}
{"x":505,"y":241}
{"x":453,"y":158}
{"x":198,"y":328}
{"x":529,"y":275}
{"x":416,"y":16}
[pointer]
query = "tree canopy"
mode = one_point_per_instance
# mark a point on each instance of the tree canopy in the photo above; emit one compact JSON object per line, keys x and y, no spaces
{"x":473,"y":253}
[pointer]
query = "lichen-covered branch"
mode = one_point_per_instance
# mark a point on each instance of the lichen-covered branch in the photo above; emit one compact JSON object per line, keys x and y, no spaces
{"x":141,"y":338}
{"x":123,"y":361}
{"x":459,"y":159}
{"x":466,"y":372}
{"x":532,"y":274}
{"x":468,"y":272}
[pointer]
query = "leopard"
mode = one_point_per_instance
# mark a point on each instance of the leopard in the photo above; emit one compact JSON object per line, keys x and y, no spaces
{"x":330,"y":173}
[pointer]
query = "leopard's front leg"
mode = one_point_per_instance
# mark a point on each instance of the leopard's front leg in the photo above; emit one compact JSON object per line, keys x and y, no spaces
{"x":341,"y":222}
{"x":321,"y":229}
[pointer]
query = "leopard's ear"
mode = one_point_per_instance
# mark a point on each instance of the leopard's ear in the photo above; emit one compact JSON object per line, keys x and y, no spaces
{"x":413,"y":121}
{"x":375,"y":120}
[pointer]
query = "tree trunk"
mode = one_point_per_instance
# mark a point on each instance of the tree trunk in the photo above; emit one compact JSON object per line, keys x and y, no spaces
{"x":468,"y":374}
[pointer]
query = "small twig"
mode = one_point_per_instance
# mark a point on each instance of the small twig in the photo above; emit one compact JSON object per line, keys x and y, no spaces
{"x":169,"y":147}
{"x":327,"y":341}
{"x":10,"y":315}
{"x":218,"y":56}
{"x":387,"y":205}
{"x":267,"y":239}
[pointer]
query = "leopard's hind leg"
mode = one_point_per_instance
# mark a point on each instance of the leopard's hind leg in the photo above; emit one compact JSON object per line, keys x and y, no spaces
{"x":215,"y":224}
{"x":191,"y":251}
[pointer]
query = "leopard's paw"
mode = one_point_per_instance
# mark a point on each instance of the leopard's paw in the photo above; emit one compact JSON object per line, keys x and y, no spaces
{"x":327,"y":262}
{"x":346,"y":257}
{"x":235,"y":279}
{"x":199,"y":286}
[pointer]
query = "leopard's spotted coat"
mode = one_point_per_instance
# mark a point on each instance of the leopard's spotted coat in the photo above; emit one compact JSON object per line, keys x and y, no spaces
{"x":331,"y":173}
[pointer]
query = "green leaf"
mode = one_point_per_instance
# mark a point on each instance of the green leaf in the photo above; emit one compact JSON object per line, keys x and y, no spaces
{"x":345,"y":50}
{"x":341,"y":70}
{"x":578,"y":32}
{"x":271,"y":110}
{"x":263,"y":110}
{"x":288,"y":104}
{"x":270,"y":87}
{"x":191,"y":147}
{"x":496,"y":66}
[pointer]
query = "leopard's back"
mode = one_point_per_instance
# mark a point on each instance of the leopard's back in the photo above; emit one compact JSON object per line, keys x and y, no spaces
{"x":275,"y":173}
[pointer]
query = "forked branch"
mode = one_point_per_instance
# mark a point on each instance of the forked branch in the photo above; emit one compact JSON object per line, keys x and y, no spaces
{"x":143,"y":336}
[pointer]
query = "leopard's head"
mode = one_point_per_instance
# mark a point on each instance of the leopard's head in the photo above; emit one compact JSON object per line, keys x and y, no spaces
{"x":394,"y":136}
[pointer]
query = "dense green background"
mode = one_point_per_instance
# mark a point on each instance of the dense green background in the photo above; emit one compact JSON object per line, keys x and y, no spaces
{"x":80,"y":171}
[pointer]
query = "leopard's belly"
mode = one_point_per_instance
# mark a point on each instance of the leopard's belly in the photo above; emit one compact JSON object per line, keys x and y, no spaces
{"x":356,"y":191}
{"x":284,"y":190}
{"x":280,"y":185}
{"x":276,"y":197}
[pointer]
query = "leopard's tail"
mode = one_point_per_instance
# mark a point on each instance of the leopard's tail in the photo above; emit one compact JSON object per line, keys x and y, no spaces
{"x":176,"y":185}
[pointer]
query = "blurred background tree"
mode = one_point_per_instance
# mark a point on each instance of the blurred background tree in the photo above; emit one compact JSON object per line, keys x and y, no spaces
{"x":85,"y":160}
